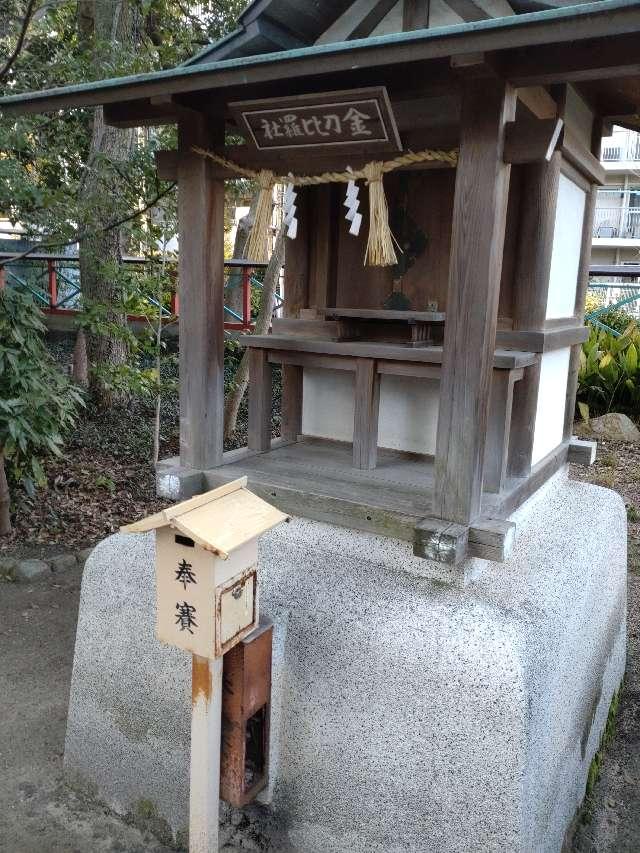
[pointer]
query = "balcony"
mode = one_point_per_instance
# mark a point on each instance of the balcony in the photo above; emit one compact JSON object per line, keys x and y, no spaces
{"x":611,"y":225}
{"x":620,"y":150}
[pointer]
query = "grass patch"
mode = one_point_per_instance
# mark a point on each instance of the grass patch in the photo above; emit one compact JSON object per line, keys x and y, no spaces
{"x":595,"y":767}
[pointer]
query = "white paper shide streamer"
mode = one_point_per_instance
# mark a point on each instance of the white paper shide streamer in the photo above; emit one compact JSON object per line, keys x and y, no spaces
{"x":352,"y":203}
{"x":290,"y":208}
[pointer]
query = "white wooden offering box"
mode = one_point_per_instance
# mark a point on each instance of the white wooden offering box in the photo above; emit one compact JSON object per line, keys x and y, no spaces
{"x":207,"y":567}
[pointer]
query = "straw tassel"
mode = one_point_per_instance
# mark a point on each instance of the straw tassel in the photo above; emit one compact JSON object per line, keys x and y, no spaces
{"x":380,"y":251}
{"x":258,"y":245}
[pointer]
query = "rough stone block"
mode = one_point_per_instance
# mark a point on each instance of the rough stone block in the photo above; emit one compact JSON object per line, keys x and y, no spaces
{"x":83,"y":556}
{"x":177,"y":483}
{"x":406,"y":716}
{"x":63,"y":562}
{"x":31,"y":570}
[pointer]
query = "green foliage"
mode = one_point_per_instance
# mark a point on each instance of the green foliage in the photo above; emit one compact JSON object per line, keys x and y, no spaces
{"x":37,"y":403}
{"x":615,"y":318}
{"x":608,"y":377}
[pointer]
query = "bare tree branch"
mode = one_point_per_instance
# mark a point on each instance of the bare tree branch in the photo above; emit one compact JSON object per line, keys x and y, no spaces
{"x":28,"y":15}
{"x":60,"y":244}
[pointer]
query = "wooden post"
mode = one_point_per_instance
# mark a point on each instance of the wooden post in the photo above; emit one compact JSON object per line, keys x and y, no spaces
{"x":260,"y":394}
{"x":365,"y":420}
{"x":499,"y":428}
{"x":52,"y":284}
{"x":206,"y":718}
{"x":583,"y":284}
{"x":531,"y":291}
{"x":246,"y":298}
{"x":480,"y":204}
{"x":292,"y":377}
{"x":201,"y":324}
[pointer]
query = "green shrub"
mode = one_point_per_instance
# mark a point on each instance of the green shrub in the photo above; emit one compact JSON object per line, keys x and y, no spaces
{"x":615,"y":318}
{"x":608,"y":377}
{"x":37,"y":402}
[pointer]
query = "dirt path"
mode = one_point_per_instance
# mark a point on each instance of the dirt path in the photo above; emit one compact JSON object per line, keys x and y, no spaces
{"x":38,"y":814}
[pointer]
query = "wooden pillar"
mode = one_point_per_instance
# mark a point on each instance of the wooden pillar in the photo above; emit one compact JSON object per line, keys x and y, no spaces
{"x":365,"y":420}
{"x":260,"y":398}
{"x":201,"y":230}
{"x":540,"y":183}
{"x":581,"y":291}
{"x":477,"y":240}
{"x":583,"y":284}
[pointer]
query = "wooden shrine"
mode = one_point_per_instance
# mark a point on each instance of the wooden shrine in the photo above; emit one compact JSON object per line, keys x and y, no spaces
{"x":428,"y":399}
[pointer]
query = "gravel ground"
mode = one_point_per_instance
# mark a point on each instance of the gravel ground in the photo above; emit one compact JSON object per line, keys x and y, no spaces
{"x":38,"y":814}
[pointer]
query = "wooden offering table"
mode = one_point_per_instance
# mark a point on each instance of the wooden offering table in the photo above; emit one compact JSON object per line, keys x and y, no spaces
{"x":369,"y":361}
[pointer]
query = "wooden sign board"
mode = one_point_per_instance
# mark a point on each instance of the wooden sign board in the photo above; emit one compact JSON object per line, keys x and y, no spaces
{"x":355,"y":120}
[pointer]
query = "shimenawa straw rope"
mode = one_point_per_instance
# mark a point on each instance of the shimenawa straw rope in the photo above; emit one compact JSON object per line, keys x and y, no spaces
{"x":380,"y":251}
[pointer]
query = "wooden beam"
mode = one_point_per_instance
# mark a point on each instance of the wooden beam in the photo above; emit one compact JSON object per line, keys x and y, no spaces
{"x":573,"y":61}
{"x":538,"y":101}
{"x":582,"y":159}
{"x":365,"y":419}
{"x":260,"y":400}
{"x":201,"y":323}
{"x":372,"y":18}
{"x":582,"y":452}
{"x":415,"y":15}
{"x":532,"y":141}
{"x":468,"y":10}
{"x":445,"y":542}
{"x":477,"y":240}
{"x":492,"y":539}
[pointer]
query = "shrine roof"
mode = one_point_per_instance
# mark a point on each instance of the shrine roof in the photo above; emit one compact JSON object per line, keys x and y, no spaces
{"x":220,"y":520}
{"x":543,"y":29}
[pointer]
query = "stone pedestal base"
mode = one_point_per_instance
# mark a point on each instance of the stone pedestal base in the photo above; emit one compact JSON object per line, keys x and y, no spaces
{"x":408,"y":716}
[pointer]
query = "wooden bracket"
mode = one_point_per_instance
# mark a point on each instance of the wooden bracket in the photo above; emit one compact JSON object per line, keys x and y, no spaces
{"x":582,"y":452}
{"x":532,"y":141}
{"x":446,"y":542}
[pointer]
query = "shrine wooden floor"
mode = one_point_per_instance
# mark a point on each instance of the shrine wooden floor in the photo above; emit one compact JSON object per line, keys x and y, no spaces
{"x":315,"y":478}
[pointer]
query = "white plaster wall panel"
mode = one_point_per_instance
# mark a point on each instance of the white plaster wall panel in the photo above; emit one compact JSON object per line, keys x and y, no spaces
{"x":408,"y":409}
{"x":328,"y":403}
{"x":408,"y":413}
{"x":565,"y":255}
{"x":554,"y":372}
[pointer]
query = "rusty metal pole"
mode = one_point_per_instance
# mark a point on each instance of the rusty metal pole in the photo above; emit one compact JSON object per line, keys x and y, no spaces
{"x":52,"y":284}
{"x":246,"y":299}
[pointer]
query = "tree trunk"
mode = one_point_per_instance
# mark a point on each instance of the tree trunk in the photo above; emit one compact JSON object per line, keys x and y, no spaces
{"x":5,"y":501}
{"x":100,"y":254}
{"x":80,"y":369}
{"x":263,"y":322}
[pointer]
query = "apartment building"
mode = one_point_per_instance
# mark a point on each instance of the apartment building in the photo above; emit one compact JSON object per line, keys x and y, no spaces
{"x":616,"y":224}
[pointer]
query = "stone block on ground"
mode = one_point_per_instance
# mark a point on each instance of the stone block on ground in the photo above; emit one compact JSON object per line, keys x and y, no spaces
{"x":406,"y":716}
{"x":614,"y":427}
{"x":63,"y":562}
{"x":83,"y":556}
{"x":8,"y":567}
{"x":31,"y":570}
